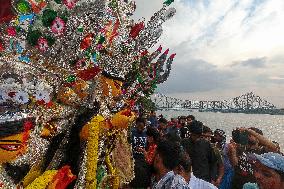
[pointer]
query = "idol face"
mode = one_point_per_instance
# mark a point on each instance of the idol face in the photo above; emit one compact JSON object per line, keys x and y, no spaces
{"x":12,"y":147}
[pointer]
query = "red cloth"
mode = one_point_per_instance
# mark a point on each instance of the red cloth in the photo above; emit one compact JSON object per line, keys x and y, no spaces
{"x":6,"y":13}
{"x":150,"y":154}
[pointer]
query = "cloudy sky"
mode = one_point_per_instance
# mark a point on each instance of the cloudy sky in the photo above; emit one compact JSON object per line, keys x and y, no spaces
{"x":224,"y":48}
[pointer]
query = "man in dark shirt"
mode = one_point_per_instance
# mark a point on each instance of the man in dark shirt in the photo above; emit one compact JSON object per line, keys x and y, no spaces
{"x":139,"y":143}
{"x":184,"y":132}
{"x":200,"y":151}
{"x":153,"y":119}
{"x":139,"y":138}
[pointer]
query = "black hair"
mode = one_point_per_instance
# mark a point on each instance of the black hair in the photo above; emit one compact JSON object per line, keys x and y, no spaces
{"x":152,"y":132}
{"x":185,"y":162}
{"x":170,"y":152}
{"x":11,"y":128}
{"x":141,"y":120}
{"x":207,"y":129}
{"x":275,"y":142}
{"x":191,"y":117}
{"x":196,"y":127}
{"x":163,"y":120}
{"x":182,"y":117}
{"x":72,"y":150}
{"x":142,"y":172}
{"x":173,"y":136}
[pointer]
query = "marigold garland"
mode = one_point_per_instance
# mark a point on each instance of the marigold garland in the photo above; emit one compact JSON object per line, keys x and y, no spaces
{"x":34,"y":173}
{"x":122,"y":119}
{"x":42,"y":181}
{"x":92,"y":151}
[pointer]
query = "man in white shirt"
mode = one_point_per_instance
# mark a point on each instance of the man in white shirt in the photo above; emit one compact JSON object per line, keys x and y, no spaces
{"x":184,"y":178}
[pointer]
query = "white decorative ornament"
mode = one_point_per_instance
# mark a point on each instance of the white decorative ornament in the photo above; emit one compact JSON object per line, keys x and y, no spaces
{"x":21,"y":97}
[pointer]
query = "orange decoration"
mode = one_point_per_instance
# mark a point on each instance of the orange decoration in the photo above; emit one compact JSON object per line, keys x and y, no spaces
{"x":122,"y":119}
{"x":62,"y":178}
{"x":87,"y":41}
{"x":37,"y":7}
{"x":1,"y":47}
{"x":89,"y":73}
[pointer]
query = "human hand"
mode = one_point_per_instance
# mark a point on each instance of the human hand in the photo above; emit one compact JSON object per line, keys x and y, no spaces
{"x":140,"y":149}
{"x":217,"y":182}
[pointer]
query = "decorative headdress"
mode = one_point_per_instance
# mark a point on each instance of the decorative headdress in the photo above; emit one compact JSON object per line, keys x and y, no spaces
{"x":58,"y":57}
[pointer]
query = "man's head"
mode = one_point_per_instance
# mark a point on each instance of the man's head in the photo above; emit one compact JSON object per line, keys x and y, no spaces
{"x":190,"y":118}
{"x":140,"y":124}
{"x":153,"y":113}
{"x":207,"y":133}
{"x":167,"y":156}
{"x":195,"y":129}
{"x":184,"y":167}
{"x":163,"y":123}
{"x":269,"y":171}
{"x":219,"y":135}
{"x":153,"y":135}
{"x":182,"y":120}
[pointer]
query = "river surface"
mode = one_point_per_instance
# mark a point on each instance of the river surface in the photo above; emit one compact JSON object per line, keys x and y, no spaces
{"x":271,"y":125}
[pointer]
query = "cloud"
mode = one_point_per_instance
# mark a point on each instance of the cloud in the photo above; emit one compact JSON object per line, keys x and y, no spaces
{"x":278,"y":78}
{"x":196,"y":75}
{"x":253,"y":63}
{"x":228,"y":45}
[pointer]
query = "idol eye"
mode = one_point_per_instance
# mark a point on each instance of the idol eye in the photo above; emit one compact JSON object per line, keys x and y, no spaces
{"x":117,"y":85}
{"x":10,"y":147}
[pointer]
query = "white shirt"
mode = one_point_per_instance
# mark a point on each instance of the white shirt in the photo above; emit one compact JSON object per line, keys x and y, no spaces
{"x":196,"y":183}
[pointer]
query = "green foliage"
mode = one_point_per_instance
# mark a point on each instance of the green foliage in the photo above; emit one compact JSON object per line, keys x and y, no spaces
{"x":50,"y":40}
{"x":58,"y":1}
{"x":48,"y":16}
{"x":23,"y":7}
{"x":33,"y":37}
{"x":147,"y":104}
{"x":168,"y":2}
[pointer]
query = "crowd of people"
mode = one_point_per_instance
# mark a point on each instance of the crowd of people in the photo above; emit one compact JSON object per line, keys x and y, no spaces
{"x":184,"y":153}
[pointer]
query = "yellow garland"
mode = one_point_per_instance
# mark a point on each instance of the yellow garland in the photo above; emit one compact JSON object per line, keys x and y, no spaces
{"x":42,"y":181}
{"x":120,"y":121}
{"x":92,"y":151}
{"x":113,"y":173}
{"x":34,"y":173}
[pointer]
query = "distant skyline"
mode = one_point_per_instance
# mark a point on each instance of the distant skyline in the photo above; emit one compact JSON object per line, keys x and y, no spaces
{"x":225,"y":48}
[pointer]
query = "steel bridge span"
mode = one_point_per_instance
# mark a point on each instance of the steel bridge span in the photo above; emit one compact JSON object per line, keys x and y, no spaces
{"x":246,"y":102}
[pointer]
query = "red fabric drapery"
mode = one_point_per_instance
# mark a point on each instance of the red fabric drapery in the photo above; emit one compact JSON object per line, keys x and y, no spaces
{"x":6,"y":13}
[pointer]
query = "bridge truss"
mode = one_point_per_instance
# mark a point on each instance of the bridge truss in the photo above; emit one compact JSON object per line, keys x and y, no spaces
{"x":246,"y":102}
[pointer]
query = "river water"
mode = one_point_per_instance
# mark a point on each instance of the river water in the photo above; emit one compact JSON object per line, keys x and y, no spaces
{"x":271,"y":125}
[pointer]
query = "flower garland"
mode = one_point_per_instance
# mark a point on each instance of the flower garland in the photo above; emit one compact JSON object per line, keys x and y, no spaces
{"x":113,"y":173}
{"x":92,"y":151}
{"x":122,"y":158}
{"x":43,"y":181}
{"x":34,"y":173}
